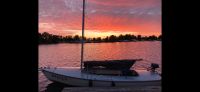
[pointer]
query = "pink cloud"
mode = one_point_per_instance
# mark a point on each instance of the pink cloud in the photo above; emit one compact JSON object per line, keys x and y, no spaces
{"x":141,"y":16}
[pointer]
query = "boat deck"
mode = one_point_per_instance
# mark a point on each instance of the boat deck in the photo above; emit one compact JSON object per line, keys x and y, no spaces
{"x":75,"y":72}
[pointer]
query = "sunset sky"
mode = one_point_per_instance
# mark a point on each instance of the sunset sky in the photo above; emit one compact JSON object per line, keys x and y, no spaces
{"x":103,"y":17}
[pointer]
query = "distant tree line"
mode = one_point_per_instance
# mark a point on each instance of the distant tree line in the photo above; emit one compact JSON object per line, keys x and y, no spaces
{"x":46,"y":38}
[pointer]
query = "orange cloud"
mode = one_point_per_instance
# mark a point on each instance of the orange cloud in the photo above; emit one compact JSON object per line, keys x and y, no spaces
{"x":103,"y":17}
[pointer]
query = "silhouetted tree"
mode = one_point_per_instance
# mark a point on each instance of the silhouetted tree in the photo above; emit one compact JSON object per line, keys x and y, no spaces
{"x":76,"y":38}
{"x":120,"y":37}
{"x":98,"y":39}
{"x":112,"y":38}
{"x":46,"y":38}
{"x":93,"y":39}
{"x":139,"y":37}
{"x":133,"y":37}
{"x":106,"y":39}
{"x":153,"y":37}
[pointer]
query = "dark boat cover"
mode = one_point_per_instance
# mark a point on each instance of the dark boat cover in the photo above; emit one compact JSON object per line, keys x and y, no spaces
{"x":110,"y":64}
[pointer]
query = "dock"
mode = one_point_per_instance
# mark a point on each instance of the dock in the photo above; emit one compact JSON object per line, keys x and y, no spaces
{"x":113,"y":89}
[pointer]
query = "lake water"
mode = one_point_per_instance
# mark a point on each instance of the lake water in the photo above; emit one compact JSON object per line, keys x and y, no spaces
{"x":68,"y":55}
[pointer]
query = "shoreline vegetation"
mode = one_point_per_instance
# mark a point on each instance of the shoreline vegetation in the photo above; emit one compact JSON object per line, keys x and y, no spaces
{"x":47,"y":38}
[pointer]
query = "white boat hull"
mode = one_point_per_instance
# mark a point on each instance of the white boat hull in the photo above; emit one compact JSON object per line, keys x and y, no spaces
{"x":84,"y":80}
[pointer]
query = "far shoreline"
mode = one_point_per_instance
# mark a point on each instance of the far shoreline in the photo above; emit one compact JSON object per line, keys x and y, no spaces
{"x":96,"y":42}
{"x":46,"y":38}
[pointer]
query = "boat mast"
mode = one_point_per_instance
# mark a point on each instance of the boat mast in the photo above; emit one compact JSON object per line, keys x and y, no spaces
{"x":83,"y":26}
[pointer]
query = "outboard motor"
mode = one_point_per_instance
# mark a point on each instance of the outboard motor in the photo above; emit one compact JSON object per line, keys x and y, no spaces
{"x":154,"y":66}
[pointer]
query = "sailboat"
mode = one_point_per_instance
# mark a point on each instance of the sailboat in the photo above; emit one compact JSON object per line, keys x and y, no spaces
{"x":108,"y":73}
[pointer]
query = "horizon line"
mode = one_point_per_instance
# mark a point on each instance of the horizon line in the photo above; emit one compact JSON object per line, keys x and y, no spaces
{"x":102,"y":36}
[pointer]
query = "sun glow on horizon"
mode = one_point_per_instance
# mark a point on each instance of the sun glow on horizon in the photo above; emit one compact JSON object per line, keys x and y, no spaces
{"x":95,"y":33}
{"x":103,"y":17}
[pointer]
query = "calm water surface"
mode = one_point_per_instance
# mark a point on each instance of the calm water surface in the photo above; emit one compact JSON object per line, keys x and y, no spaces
{"x":68,"y":55}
